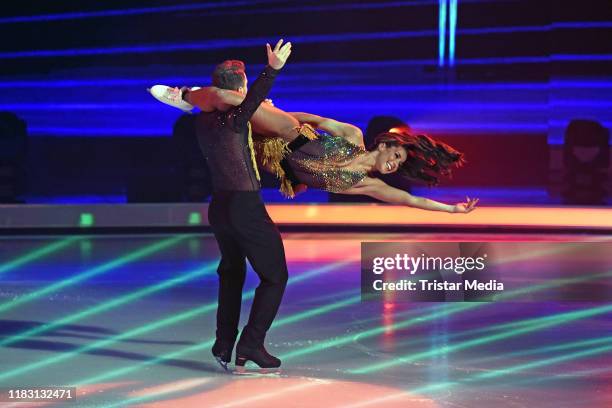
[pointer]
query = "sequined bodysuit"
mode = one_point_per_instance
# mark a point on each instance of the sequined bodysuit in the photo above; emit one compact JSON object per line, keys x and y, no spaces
{"x":323,"y":163}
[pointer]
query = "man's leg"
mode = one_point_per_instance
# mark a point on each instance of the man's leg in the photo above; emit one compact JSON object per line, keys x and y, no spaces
{"x":267,"y":120}
{"x":269,"y":263}
{"x":264,"y":249}
{"x":232,"y":273}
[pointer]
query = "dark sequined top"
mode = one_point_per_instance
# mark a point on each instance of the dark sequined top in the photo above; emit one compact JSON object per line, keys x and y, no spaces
{"x":323,"y":163}
{"x":224,"y":139}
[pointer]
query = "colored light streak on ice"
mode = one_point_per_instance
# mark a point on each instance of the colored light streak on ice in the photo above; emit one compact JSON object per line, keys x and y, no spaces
{"x":543,"y":323}
{"x":98,"y":270}
{"x":140,"y":330}
{"x":109,"y":305}
{"x":207,"y":344}
{"x":36,"y":254}
{"x":441,"y":312}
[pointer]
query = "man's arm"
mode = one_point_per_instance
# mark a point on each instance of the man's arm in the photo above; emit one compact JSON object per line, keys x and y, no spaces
{"x":258,"y":92}
{"x":350,"y":132}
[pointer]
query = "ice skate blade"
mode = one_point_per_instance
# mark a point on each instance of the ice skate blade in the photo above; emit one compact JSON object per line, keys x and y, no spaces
{"x":240,"y":370}
{"x":222,"y":363}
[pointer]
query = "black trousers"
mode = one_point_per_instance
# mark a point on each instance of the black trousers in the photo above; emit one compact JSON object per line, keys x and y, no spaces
{"x":244,"y":230}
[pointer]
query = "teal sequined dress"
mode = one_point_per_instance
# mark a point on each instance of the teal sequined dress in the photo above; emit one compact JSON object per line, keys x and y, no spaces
{"x":323,"y":163}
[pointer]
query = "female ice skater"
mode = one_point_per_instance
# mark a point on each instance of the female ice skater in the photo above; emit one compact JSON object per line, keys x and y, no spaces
{"x":334,"y":158}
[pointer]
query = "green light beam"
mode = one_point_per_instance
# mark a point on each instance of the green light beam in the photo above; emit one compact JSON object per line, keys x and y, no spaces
{"x":207,"y":344}
{"x":240,"y":403}
{"x":194,"y":312}
{"x":553,"y":320}
{"x":520,"y":367}
{"x":520,"y":257}
{"x":545,"y":349}
{"x":133,"y":256}
{"x":317,"y":311}
{"x":137,"y":331}
{"x":562,"y":376}
{"x":36,"y":254}
{"x":168,"y":321}
{"x":545,"y":362}
{"x":571,"y":374}
{"x":198,"y":347}
{"x":334,"y":295}
{"x":488,"y":329}
{"x":304,"y":276}
{"x":494,"y":374}
{"x":339,"y":341}
{"x":106,"y":306}
{"x":450,"y":310}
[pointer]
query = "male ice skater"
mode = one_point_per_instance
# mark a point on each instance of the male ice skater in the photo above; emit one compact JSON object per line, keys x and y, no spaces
{"x":238,"y":217}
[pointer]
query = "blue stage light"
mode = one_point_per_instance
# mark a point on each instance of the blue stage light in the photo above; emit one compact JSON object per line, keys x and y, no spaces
{"x":130,"y":12}
{"x":442,"y":32}
{"x":452,"y":32}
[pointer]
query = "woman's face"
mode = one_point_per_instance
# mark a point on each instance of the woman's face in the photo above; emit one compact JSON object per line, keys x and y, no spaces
{"x":390,"y":158}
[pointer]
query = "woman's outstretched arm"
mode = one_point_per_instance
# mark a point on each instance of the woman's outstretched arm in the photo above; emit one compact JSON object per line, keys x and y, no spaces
{"x":350,"y":132}
{"x":378,"y":189}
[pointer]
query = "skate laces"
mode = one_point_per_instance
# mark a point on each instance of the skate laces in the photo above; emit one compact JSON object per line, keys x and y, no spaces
{"x":173,"y":94}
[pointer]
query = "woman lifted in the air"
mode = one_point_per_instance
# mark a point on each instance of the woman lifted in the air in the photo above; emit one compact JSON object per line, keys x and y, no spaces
{"x":332,"y":158}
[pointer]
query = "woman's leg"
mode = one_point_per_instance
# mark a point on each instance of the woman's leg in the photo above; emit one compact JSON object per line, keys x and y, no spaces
{"x":270,"y":121}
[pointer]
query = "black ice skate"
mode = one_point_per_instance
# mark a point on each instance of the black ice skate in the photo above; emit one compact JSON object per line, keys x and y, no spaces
{"x":268,"y":363}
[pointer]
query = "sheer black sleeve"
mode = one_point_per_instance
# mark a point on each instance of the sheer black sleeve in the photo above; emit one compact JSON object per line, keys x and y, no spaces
{"x":256,"y":94}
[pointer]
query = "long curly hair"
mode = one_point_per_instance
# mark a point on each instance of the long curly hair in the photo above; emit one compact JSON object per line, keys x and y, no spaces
{"x":427,"y":158}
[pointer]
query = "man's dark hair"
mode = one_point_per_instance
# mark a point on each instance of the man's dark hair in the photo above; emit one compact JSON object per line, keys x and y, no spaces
{"x":229,"y":75}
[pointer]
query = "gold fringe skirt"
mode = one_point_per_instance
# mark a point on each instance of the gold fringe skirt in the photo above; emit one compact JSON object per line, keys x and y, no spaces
{"x":272,"y":150}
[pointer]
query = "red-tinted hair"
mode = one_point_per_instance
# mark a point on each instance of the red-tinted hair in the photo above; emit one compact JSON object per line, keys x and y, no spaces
{"x":229,"y":75}
{"x":426,"y":158}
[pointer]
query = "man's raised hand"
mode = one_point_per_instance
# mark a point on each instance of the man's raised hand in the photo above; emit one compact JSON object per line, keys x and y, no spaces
{"x":278,"y":56}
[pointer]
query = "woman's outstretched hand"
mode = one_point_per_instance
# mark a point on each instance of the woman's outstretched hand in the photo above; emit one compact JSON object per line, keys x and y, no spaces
{"x":278,"y":56}
{"x":466,"y":207}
